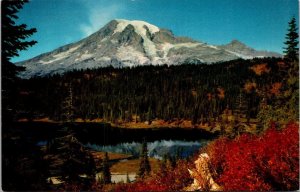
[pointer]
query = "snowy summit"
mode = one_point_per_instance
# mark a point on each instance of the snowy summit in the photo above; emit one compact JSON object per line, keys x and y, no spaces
{"x":122,"y":43}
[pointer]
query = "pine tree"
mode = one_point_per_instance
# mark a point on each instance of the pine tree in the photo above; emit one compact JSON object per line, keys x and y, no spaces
{"x":76,"y":160}
{"x":291,"y":49}
{"x":144,"y":163}
{"x":68,"y":108}
{"x":105,"y":170}
{"x":13,"y":35}
{"x":172,"y":161}
{"x":12,"y":41}
{"x":285,"y":107}
{"x":163,"y":165}
{"x":127,"y":178}
{"x":240,"y":109}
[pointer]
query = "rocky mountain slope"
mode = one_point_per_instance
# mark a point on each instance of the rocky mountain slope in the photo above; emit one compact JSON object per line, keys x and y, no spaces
{"x":122,"y":43}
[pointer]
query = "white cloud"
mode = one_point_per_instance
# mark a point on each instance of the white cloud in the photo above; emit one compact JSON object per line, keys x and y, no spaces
{"x":98,"y":17}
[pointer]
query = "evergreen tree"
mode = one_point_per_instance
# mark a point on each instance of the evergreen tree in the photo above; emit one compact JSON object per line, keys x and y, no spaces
{"x":105,"y":170}
{"x":23,"y":166}
{"x":293,"y":72}
{"x":145,"y":167}
{"x":168,"y":94}
{"x":68,"y":109}
{"x":163,"y":165}
{"x":13,"y":35}
{"x":284,"y":108}
{"x":172,"y":161}
{"x":291,"y":49}
{"x":127,"y":178}
{"x":76,"y":160}
{"x":13,"y":40}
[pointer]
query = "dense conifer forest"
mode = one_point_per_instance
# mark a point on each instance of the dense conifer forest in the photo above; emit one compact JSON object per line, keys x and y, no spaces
{"x":192,"y":92}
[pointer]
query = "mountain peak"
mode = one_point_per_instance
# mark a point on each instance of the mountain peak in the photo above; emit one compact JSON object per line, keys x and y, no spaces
{"x":237,"y":46}
{"x":139,"y":26}
{"x":122,"y":43}
{"x":236,"y":42}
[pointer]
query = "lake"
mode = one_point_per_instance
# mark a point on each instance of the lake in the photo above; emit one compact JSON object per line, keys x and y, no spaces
{"x":103,"y":137}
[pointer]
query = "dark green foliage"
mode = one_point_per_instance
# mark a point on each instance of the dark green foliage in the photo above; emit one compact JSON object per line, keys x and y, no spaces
{"x":149,"y":92}
{"x":172,"y":161}
{"x":23,"y":166}
{"x":69,"y":159}
{"x":12,"y":40}
{"x":291,"y":49}
{"x":293,"y":71}
{"x":76,"y":161}
{"x":106,"y":177}
{"x":145,"y":167}
{"x":13,"y":35}
{"x":67,"y":105}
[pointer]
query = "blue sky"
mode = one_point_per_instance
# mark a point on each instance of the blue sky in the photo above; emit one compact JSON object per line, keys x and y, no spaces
{"x":261,"y":24}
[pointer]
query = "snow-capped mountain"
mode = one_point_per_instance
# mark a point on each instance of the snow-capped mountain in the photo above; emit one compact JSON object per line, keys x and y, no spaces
{"x":129,"y":43}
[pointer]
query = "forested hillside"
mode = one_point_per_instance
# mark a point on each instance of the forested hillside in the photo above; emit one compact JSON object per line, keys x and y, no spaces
{"x":200,"y":93}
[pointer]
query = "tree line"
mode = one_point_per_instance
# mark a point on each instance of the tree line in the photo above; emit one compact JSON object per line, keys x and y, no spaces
{"x":144,"y":93}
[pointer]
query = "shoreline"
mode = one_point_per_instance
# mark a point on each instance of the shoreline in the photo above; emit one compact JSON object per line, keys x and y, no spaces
{"x":155,"y":124}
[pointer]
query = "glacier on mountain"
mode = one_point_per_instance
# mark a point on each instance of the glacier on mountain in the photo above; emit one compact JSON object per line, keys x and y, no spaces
{"x":124,"y":43}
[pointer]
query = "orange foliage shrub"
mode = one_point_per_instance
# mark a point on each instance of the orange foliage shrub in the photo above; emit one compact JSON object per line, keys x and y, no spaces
{"x":275,"y":90}
{"x":221,"y":93}
{"x":269,"y":162}
{"x":260,"y":69}
{"x":249,"y":86}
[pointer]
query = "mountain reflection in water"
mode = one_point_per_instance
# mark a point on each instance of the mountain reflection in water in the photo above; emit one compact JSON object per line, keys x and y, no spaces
{"x":156,"y":149}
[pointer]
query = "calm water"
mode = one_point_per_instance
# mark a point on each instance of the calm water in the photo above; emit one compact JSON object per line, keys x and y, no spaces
{"x":103,"y":137}
{"x":156,"y":149}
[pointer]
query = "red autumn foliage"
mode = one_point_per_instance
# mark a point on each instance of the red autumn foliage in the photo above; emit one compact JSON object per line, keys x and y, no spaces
{"x":268,"y":162}
{"x":140,"y":186}
{"x":171,"y":179}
